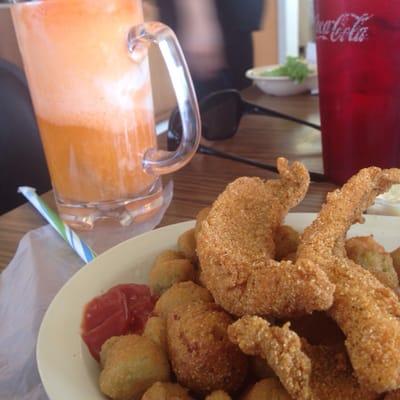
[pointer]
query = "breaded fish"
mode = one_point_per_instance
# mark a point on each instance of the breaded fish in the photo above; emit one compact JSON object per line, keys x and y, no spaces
{"x":236,"y":249}
{"x":306,"y":372}
{"x":367,"y":312}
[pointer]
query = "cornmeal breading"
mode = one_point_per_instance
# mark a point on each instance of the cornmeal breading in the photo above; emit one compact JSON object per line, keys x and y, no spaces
{"x":236,"y":249}
{"x":366,"y":311}
{"x":307,"y":372}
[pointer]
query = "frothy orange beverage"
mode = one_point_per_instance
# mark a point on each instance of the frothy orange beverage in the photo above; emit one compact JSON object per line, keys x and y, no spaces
{"x":92,"y":101}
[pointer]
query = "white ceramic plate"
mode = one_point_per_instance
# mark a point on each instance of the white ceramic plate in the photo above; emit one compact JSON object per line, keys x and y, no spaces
{"x":66,"y":368}
{"x":281,"y":85}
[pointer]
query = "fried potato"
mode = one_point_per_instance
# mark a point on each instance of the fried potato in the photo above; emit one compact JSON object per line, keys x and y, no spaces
{"x":166,"y":391}
{"x":131,"y":365}
{"x":201,"y":354}
{"x":365,"y":251}
{"x":156,"y":330}
{"x":187,"y":245}
{"x":181,"y":293}
{"x":164,"y":274}
{"x":267,"y":389}
{"x":286,"y":240}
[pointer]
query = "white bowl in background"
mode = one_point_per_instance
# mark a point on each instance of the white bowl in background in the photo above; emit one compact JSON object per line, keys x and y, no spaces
{"x":387,"y":203}
{"x":281,"y":85}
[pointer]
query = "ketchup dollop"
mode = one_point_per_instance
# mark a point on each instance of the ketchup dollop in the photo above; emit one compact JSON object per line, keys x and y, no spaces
{"x":121,"y":310}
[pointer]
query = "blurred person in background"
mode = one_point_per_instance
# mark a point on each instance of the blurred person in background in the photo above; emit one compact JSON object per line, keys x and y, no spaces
{"x":216,"y":37}
{"x":22,"y":160}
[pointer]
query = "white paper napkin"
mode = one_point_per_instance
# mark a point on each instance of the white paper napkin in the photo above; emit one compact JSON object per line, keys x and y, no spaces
{"x":41,"y":266}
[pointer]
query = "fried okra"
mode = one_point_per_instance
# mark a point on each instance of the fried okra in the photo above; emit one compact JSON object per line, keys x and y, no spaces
{"x":131,"y":365}
{"x":166,"y":391}
{"x":164,"y":274}
{"x":365,"y":251}
{"x":181,"y":293}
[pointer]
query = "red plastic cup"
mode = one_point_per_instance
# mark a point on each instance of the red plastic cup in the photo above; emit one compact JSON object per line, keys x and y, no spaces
{"x":358,"y":49}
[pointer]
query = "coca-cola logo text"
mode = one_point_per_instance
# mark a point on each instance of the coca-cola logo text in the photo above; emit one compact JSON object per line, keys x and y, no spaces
{"x":347,"y":27}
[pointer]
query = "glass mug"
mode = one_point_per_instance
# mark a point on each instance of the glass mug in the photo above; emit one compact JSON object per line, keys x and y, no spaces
{"x":358,"y":43}
{"x":86,"y":63}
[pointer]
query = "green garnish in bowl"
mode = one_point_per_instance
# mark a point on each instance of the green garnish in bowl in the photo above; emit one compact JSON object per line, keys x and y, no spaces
{"x":295,"y":68}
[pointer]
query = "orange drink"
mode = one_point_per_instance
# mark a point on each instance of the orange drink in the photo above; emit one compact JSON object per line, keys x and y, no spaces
{"x":93,"y":102}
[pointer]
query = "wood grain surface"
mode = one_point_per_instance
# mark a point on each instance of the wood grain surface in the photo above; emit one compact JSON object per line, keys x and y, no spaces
{"x":197,"y":185}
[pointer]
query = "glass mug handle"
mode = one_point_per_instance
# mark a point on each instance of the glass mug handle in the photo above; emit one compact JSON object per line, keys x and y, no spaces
{"x":161,"y":162}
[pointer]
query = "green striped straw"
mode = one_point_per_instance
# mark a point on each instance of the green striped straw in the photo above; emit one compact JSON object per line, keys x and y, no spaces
{"x":81,"y":248}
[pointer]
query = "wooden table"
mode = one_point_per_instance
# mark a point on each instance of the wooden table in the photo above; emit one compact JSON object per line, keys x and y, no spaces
{"x":197,"y":185}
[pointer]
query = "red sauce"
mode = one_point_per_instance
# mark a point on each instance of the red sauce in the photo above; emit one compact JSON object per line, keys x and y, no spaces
{"x":123,"y":309}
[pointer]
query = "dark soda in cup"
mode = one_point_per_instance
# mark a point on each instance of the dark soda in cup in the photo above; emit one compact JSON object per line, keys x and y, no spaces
{"x":358,"y":49}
